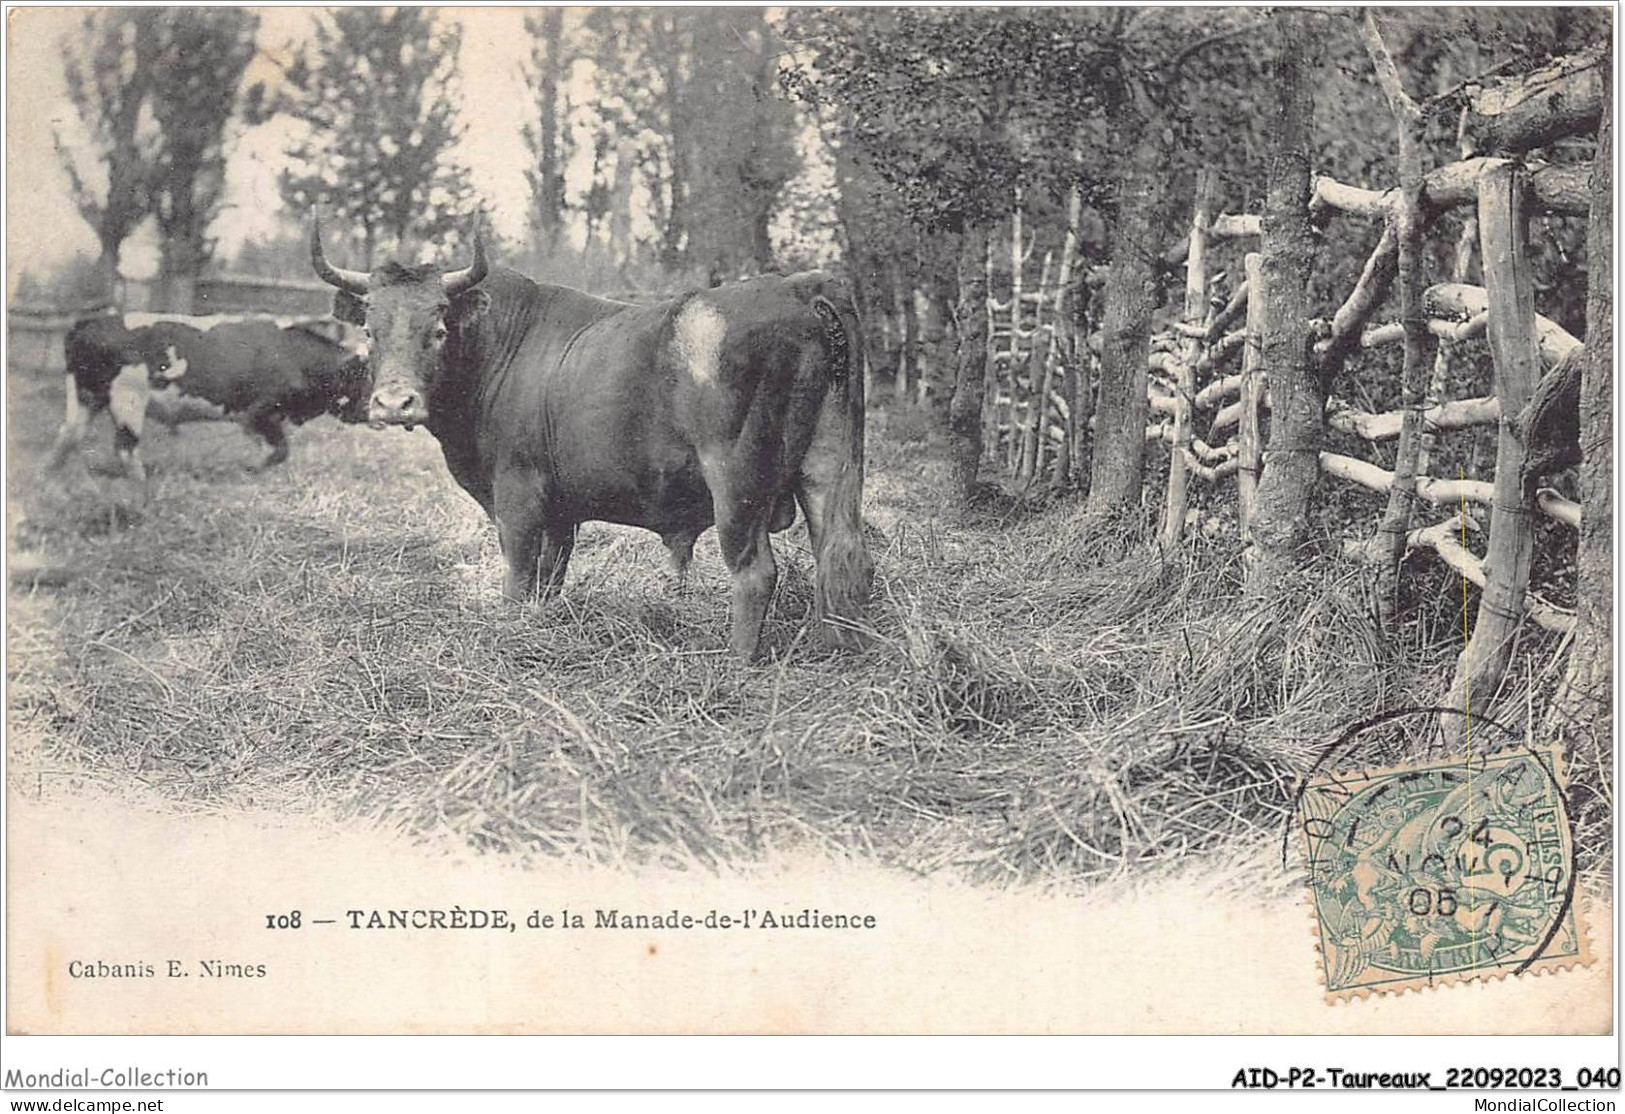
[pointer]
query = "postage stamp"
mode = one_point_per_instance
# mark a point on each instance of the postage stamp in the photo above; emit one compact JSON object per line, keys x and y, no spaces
{"x":1442,"y":871}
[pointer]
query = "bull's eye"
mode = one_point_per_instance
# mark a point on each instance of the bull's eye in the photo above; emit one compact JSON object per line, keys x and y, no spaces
{"x":440,"y":332}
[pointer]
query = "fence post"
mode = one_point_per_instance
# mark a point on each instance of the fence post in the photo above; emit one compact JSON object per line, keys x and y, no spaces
{"x":1034,"y":463}
{"x":1035,"y":403}
{"x":991,"y":377}
{"x":1252,"y":397}
{"x":1460,"y":267}
{"x":1197,"y":311}
{"x":1513,"y":346}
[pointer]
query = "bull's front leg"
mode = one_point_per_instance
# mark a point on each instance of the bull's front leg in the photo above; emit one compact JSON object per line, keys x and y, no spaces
{"x":537,"y":561}
{"x":537,"y":550}
{"x":679,"y":555}
{"x":266,"y":420}
{"x":128,"y":402}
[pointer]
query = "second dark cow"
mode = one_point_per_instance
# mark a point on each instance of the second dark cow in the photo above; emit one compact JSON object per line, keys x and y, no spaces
{"x":172,"y":370}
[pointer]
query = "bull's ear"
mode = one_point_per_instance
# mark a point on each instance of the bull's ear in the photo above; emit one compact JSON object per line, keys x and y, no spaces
{"x":349,"y":309}
{"x":467,"y":309}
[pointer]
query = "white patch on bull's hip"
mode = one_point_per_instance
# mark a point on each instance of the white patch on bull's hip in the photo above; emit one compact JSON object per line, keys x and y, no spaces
{"x":129,"y":397}
{"x":699,"y":330}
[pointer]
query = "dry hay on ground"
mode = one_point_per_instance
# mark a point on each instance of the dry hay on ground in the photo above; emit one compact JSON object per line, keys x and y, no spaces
{"x":329,"y":639}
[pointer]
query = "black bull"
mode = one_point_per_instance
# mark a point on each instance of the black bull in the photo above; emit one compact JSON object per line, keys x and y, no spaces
{"x":173,"y":372}
{"x":726,"y":407}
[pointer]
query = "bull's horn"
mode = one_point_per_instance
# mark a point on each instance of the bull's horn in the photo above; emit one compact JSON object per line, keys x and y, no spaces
{"x":353,"y":281}
{"x":459,"y":281}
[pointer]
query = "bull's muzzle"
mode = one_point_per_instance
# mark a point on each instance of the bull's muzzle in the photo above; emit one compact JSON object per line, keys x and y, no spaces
{"x":402,"y":406}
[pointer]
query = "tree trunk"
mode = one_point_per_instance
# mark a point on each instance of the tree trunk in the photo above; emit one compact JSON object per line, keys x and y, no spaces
{"x":1513,"y":346}
{"x":1387,"y":547}
{"x":1249,"y":450}
{"x":855,"y":247}
{"x":965,"y":411}
{"x":1583,"y":709}
{"x":907,"y":354}
{"x":672,"y":237}
{"x":1082,"y":399}
{"x":938,"y":341}
{"x":107,"y":271}
{"x":622,"y":246}
{"x":549,"y":169}
{"x":1118,"y":464}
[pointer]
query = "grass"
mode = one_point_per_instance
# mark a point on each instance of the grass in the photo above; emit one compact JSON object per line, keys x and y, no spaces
{"x":1044,"y":702}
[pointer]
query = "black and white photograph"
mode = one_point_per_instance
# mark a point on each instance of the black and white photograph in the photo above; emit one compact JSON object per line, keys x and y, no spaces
{"x":815,"y":521}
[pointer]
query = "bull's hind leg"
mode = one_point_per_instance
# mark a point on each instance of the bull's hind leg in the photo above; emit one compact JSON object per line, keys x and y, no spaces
{"x":743,"y":518}
{"x":70,"y":437}
{"x":267,"y":422}
{"x":830,"y":491}
{"x":749,"y":556}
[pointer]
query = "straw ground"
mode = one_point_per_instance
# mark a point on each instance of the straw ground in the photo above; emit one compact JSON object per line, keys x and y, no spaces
{"x":1043,"y":703}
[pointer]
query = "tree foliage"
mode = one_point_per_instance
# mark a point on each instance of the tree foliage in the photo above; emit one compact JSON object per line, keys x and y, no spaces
{"x":915,"y":87}
{"x":375,"y":89}
{"x":201,"y":54}
{"x":690,"y":96}
{"x":155,"y":91}
{"x":109,"y":73}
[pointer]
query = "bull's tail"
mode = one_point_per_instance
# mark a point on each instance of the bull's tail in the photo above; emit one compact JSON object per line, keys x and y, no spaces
{"x":831,"y":484}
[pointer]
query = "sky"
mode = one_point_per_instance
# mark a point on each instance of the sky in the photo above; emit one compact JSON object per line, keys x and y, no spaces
{"x":45,"y":230}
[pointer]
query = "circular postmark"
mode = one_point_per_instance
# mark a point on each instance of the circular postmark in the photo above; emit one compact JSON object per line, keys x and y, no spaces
{"x":1440,"y":869}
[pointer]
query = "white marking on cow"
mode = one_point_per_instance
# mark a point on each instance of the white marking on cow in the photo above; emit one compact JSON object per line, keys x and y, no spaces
{"x":129,"y":397}
{"x":177,"y":364}
{"x":699,"y":330}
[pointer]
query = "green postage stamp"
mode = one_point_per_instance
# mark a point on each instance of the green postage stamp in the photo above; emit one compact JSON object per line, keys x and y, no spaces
{"x":1441,"y":872}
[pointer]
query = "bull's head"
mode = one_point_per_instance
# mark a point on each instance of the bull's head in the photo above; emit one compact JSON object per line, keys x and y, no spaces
{"x":349,"y":396}
{"x":407,"y":313}
{"x":161,"y":354}
{"x":165,"y":366}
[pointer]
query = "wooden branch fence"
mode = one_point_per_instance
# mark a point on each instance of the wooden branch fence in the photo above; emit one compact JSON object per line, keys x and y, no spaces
{"x":1209,"y":393}
{"x":1029,"y":419}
